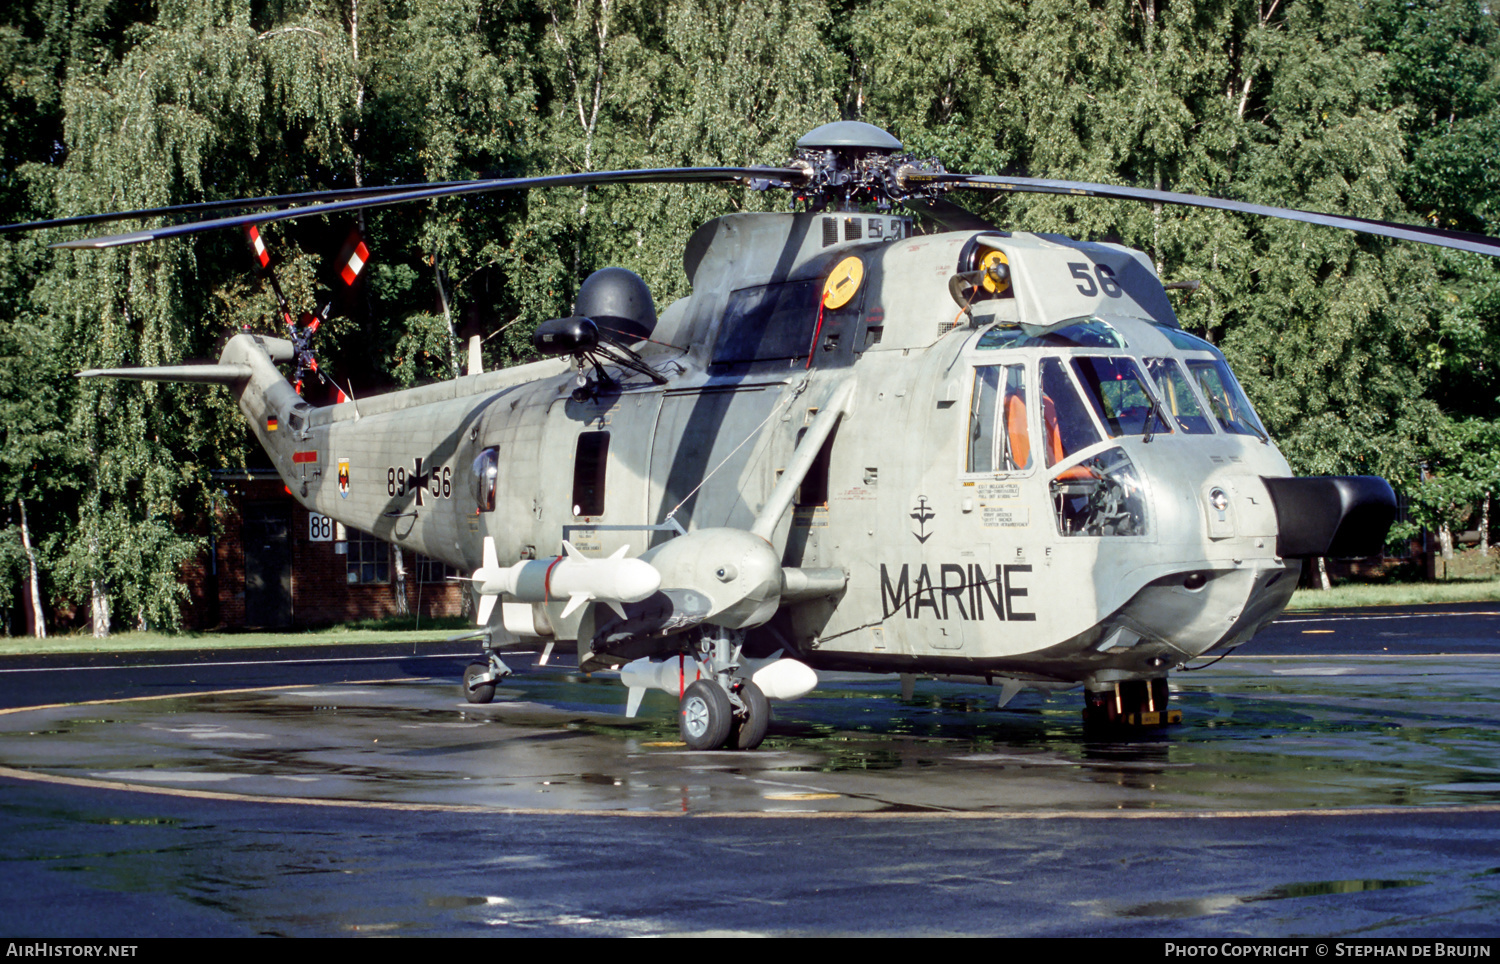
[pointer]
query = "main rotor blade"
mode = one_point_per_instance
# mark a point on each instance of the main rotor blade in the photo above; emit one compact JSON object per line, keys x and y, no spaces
{"x":204,"y":207}
{"x":670,"y":175}
{"x":1460,"y":240}
{"x":947,"y":215}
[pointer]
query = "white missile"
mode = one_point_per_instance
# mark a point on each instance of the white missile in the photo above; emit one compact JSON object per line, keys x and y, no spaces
{"x":611,"y":581}
{"x":780,"y":678}
{"x":784,"y":679}
{"x":668,"y":675}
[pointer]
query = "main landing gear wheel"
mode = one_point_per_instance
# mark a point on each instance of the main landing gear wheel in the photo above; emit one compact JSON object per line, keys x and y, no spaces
{"x":478,"y":692}
{"x":704,"y":716}
{"x":749,"y":730}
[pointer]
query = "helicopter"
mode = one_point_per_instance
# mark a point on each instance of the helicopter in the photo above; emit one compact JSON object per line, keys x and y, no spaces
{"x":861,"y":444}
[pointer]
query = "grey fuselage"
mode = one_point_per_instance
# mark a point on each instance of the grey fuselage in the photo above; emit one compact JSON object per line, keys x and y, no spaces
{"x":956,"y":561}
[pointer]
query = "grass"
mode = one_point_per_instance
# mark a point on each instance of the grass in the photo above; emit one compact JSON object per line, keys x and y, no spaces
{"x":1348,"y":595}
{"x":400,"y":630}
{"x":1351,"y":595}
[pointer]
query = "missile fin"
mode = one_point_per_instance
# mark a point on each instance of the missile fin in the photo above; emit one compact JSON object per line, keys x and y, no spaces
{"x":574,"y":601}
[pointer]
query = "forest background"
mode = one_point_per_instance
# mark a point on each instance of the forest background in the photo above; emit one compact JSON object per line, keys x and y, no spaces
{"x":1362,"y":356}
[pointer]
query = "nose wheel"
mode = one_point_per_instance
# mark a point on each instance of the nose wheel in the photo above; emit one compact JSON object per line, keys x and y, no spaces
{"x":1130,"y":704}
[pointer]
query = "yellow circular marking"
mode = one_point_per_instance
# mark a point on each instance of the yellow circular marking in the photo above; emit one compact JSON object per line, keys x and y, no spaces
{"x":989,"y":261}
{"x":665,"y":743}
{"x":843,"y":282}
{"x":803,"y":796}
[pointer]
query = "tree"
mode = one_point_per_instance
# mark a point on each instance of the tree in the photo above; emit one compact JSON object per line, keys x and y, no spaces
{"x":191,"y":107}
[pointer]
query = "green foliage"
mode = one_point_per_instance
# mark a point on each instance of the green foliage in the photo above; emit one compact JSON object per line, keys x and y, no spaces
{"x":1362,"y":356}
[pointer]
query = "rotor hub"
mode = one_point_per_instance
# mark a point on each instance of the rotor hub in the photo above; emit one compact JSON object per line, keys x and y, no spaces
{"x":851,"y":162}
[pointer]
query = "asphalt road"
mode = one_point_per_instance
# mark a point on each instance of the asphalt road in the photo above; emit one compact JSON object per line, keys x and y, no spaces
{"x":1338,"y":777}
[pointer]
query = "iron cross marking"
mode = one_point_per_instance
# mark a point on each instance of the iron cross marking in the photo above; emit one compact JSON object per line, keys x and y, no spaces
{"x":419,"y":480}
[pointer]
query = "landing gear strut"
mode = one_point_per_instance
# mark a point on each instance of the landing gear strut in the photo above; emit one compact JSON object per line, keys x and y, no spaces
{"x":480,"y":677}
{"x":722,"y":710}
{"x":1132,"y":703}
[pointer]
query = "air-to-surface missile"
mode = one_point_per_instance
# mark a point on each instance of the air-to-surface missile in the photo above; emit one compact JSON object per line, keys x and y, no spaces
{"x":611,"y":581}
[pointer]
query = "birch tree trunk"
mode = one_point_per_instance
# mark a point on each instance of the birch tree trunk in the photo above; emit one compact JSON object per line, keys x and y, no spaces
{"x":33,"y":585}
{"x":99,"y":608}
{"x":398,"y":581}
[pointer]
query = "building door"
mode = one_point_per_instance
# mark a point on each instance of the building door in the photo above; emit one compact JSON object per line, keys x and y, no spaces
{"x":268,"y":565}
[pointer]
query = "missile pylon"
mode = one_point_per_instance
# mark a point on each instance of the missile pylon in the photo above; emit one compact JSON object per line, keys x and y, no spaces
{"x":612,"y":581}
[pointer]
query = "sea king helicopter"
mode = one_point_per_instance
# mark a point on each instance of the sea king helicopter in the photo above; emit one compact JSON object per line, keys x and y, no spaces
{"x":859,"y":445}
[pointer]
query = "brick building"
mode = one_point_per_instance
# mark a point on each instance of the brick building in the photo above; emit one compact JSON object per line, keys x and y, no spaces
{"x":276,"y":565}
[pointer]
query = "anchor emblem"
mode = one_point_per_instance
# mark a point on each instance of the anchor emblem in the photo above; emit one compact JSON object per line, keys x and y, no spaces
{"x":922,"y":514}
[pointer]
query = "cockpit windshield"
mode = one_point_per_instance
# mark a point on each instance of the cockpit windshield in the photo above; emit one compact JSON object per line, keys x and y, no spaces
{"x":1126,"y":395}
{"x":1118,"y":393}
{"x":1172,"y":385}
{"x":1225,"y":398}
{"x":1074,"y":333}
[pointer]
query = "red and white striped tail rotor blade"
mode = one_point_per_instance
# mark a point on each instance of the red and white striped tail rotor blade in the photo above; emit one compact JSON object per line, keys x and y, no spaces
{"x":358,"y":257}
{"x":261,"y":254}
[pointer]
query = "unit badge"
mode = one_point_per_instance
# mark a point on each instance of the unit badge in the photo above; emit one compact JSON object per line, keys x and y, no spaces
{"x":344,"y":478}
{"x":923,"y":513}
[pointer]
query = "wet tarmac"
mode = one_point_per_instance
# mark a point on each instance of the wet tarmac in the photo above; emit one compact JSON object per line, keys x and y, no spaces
{"x":1258,"y":734}
{"x":1321,"y":786}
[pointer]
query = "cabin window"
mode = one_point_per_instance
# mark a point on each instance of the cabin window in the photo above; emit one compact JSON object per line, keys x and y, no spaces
{"x":1066,"y":425}
{"x":588,"y":473}
{"x":485,"y":473}
{"x":1177,"y":394}
{"x":1119,"y":395}
{"x":368,"y":561}
{"x":999,"y":433}
{"x":1225,"y":399}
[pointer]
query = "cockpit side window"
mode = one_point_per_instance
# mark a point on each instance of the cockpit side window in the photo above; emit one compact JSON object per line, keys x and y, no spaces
{"x":1017,"y":436}
{"x":1066,"y":425}
{"x":999,"y":432}
{"x":982,"y":419}
{"x":1175,"y":391}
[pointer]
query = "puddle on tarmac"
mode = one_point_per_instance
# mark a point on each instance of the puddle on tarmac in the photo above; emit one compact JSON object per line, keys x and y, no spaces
{"x":1223,"y":904}
{"x":1255,"y":737}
